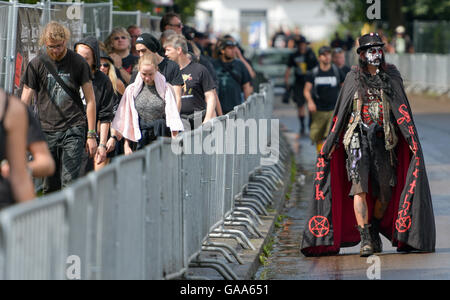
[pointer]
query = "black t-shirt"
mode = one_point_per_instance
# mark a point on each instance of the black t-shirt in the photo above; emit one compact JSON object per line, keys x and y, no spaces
{"x":57,"y":110}
{"x":302,"y":63}
{"x":327,"y":85}
{"x":197,"y":81}
{"x":169,"y":69}
{"x":171,"y":72}
{"x":230,"y":85}
{"x":129,"y":62}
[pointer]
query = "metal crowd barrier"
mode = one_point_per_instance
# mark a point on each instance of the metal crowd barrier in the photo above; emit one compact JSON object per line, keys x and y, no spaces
{"x":151,"y":214}
{"x":421,"y":72}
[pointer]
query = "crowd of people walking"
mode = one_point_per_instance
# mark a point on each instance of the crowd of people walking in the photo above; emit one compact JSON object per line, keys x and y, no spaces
{"x":82,"y":107}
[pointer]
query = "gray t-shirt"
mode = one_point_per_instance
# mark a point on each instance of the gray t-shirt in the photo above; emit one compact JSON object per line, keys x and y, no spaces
{"x":149,"y":105}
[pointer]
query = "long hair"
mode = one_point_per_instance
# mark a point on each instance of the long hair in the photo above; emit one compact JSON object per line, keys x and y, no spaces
{"x":382,"y":81}
{"x":116,"y":31}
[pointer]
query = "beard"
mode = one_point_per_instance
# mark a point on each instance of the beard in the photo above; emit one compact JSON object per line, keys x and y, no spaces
{"x":56,"y":57}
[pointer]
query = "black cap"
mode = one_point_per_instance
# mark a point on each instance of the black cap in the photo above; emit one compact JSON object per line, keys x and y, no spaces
{"x":104,"y":55}
{"x":301,"y":40}
{"x":324,"y":49}
{"x":369,"y":40}
{"x":228,"y":43}
{"x":150,"y":42}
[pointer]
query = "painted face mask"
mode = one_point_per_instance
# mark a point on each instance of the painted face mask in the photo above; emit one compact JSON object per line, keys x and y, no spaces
{"x":374,"y":55}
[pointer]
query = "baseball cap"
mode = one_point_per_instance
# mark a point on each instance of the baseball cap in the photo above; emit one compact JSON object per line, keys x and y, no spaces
{"x":324,"y":49}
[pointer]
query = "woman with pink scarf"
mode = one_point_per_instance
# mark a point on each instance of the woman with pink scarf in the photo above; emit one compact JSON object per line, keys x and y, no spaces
{"x":148,"y":108}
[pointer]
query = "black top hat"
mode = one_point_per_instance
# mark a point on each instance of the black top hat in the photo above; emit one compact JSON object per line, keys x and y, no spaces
{"x":369,"y":40}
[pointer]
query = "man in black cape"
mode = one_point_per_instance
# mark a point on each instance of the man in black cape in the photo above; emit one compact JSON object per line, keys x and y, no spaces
{"x":392,"y":178}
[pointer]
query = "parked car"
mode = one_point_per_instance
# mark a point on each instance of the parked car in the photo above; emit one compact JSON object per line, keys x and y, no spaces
{"x":272,"y":62}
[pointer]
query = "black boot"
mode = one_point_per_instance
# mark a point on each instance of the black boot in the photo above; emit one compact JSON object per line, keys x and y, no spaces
{"x":375,"y":235}
{"x":366,"y":241}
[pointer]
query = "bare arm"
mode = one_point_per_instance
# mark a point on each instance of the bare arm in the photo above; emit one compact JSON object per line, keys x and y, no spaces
{"x":178,"y":89}
{"x":307,"y":93}
{"x":16,"y":125}
{"x":42,"y":164}
{"x":287,"y":74}
{"x":27,"y":95}
{"x":88,"y":91}
{"x":100,"y":156}
{"x":219,"y":110}
{"x":210,"y":99}
{"x":248,"y":90}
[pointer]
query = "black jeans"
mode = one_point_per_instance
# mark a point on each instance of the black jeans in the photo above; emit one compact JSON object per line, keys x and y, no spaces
{"x":67,"y":148}
{"x":150,"y":131}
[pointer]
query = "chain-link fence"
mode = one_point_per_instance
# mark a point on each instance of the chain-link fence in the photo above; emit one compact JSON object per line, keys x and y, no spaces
{"x":145,"y":21}
{"x":22,"y":25}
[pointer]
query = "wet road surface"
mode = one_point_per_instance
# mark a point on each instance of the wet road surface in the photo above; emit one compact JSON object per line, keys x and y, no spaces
{"x":432,"y":119}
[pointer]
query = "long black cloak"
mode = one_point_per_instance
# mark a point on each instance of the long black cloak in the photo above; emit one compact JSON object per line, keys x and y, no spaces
{"x":409,"y":219}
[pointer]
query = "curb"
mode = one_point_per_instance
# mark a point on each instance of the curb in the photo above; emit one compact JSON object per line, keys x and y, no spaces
{"x":249,"y":258}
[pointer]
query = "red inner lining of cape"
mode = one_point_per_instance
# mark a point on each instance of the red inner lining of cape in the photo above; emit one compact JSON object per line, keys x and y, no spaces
{"x":343,"y":216}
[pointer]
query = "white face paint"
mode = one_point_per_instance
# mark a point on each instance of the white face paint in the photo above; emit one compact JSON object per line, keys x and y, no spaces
{"x":374,"y":55}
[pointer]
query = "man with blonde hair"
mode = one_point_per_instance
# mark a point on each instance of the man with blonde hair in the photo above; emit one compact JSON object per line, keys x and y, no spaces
{"x":54,"y":79}
{"x":118,"y":45}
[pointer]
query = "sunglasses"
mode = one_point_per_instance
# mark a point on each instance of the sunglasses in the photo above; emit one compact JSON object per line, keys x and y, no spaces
{"x":105,"y":65}
{"x":120,"y":37}
{"x":179,"y":25}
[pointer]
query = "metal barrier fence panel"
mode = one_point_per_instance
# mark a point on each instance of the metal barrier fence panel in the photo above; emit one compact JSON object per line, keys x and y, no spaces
{"x":192,"y":196}
{"x":172,"y":211}
{"x":131,"y":218}
{"x":125,"y":19}
{"x":35,"y":239}
{"x":230,"y":156}
{"x":4,"y":20}
{"x":153,"y":228}
{"x":205,"y":183}
{"x":219,"y":127}
{"x":97,"y":20}
{"x":105,"y":215}
{"x":81,"y":197}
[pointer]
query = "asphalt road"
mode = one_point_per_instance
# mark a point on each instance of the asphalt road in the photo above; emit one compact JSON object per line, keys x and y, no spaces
{"x":432,"y":119}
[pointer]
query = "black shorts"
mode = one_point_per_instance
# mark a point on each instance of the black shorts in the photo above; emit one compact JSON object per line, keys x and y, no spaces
{"x":298,"y":96}
{"x":374,"y":165}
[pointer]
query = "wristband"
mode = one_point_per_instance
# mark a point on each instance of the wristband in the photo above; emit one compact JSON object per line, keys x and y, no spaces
{"x":115,"y":138}
{"x":102,"y":146}
{"x":91,"y":134}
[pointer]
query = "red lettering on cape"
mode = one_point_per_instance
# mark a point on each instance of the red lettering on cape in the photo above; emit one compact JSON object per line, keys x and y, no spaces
{"x":411,"y":129}
{"x":403,"y":109}
{"x":335,"y":122}
{"x":319,"y":175}
{"x":412,"y":185}
{"x":319,"y":194}
{"x":414,"y":147}
{"x":416,"y":173}
{"x":321,"y":162}
{"x":417,"y":161}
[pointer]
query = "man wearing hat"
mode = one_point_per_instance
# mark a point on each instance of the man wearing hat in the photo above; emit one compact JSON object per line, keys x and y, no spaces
{"x":370,"y":173}
{"x":321,"y":92}
{"x":146,"y":43}
{"x":302,"y":61}
{"x":233,"y":77}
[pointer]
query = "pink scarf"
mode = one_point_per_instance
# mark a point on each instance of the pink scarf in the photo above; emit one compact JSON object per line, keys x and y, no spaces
{"x":126,"y":120}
